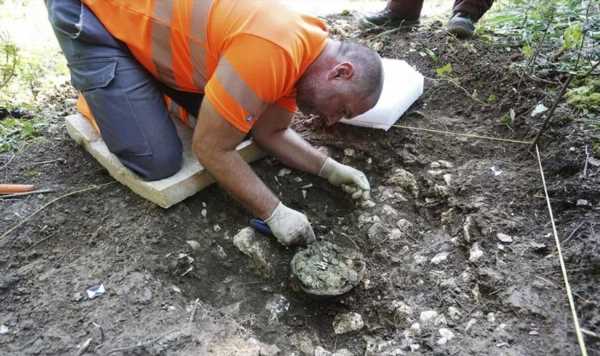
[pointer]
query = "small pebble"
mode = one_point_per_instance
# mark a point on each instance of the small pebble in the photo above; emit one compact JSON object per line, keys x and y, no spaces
{"x":470,"y":324}
{"x":428,"y":316}
{"x":435,"y":172}
{"x":216,"y":228}
{"x":447,"y":178}
{"x":419,"y":259}
{"x":284,"y":172}
{"x":195,"y":245}
{"x":368,"y":204}
{"x":349,"y":152}
{"x":454,"y":313}
{"x":446,"y":164}
{"x":475,"y":253}
{"x":504,"y":237}
{"x":4,"y":329}
{"x":583,"y":202}
{"x":440,"y":257}
{"x":446,"y":335}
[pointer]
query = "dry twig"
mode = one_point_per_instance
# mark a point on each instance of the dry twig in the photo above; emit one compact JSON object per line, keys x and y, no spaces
{"x":93,"y":187}
{"x":143,"y":344}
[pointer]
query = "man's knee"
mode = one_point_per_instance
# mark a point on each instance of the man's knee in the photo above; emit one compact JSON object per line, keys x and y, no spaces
{"x":159,"y":165}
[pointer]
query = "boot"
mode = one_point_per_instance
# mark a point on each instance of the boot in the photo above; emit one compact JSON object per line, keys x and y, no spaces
{"x":395,"y":13}
{"x":461,"y":25}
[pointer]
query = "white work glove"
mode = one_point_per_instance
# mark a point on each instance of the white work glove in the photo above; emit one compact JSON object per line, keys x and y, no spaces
{"x":290,"y":227}
{"x":338,"y":174}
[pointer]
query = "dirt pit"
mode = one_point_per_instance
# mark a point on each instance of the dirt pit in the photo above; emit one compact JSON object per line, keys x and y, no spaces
{"x":458,"y":244}
{"x":325,"y":269}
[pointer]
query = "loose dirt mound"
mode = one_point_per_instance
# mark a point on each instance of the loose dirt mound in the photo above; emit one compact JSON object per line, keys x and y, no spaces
{"x":458,"y":244}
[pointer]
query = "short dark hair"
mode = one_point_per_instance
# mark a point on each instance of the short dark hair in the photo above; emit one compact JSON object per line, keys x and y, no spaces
{"x":368,"y":64}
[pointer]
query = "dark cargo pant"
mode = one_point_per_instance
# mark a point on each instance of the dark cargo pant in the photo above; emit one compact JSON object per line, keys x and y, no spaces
{"x":411,"y":9}
{"x":126,"y":101}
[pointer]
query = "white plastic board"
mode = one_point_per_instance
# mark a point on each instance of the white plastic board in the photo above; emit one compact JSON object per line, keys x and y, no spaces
{"x":402,"y":86}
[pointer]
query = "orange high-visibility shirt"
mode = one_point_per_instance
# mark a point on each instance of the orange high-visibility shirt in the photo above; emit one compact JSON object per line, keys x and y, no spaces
{"x":244,"y":55}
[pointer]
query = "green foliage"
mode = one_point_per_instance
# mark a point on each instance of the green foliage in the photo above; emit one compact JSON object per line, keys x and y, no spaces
{"x":14,"y":131}
{"x":558,"y":28}
{"x":444,"y":71}
{"x":527,"y":51}
{"x":430,"y":54}
{"x":586,"y":96}
{"x":29,"y":74}
{"x":9,"y":60}
{"x":572,"y":36}
{"x":596,"y":148}
{"x":506,"y":120}
{"x":492,"y":99}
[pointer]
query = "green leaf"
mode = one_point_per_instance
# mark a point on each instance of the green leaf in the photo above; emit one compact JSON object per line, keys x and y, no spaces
{"x":527,"y":51}
{"x":444,"y":70}
{"x":506,"y":119}
{"x":431,"y":54}
{"x":572,"y":36}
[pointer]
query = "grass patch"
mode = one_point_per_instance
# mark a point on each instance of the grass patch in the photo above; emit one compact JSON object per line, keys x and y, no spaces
{"x":15,"y":132}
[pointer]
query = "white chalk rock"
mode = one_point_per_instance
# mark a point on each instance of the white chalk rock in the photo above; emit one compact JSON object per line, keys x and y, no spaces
{"x":347,"y":322}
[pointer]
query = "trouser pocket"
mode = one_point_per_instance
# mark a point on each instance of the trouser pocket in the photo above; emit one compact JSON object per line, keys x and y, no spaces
{"x":111,"y":106}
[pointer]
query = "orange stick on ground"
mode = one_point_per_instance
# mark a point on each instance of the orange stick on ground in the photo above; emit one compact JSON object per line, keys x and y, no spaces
{"x":15,"y":188}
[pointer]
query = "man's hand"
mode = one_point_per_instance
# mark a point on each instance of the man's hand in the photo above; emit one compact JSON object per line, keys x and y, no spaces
{"x":338,"y":174}
{"x":290,"y":227}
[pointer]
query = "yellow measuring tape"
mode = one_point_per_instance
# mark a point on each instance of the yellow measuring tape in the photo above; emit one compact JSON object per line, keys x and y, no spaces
{"x":489,"y":138}
{"x":562,"y":263}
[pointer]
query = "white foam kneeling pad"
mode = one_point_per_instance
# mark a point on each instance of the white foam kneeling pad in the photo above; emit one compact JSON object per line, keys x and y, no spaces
{"x":402,"y":86}
{"x":191,"y":178}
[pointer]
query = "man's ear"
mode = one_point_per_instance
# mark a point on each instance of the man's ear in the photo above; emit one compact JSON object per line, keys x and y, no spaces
{"x":343,"y":70}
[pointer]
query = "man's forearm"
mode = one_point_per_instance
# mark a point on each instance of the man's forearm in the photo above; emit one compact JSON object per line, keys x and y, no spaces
{"x":294,"y":151}
{"x":236,"y":176}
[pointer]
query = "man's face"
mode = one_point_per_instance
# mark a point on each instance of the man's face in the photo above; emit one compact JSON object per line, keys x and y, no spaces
{"x":331,"y":101}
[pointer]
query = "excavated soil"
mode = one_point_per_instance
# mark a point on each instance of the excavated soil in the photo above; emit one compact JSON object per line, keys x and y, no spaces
{"x":458,"y":247}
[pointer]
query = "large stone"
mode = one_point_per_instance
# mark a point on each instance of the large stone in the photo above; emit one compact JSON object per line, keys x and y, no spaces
{"x":257,"y":248}
{"x":348,"y":322}
{"x":277,"y":305}
{"x":526,"y":298}
{"x":405,"y":180}
{"x":377,"y":232}
{"x":191,"y":178}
